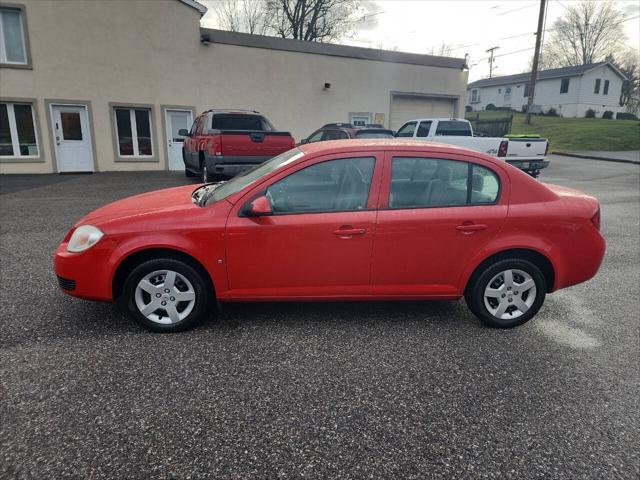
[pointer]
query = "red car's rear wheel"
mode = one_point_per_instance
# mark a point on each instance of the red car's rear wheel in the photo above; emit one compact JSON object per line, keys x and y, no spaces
{"x":507,"y":293}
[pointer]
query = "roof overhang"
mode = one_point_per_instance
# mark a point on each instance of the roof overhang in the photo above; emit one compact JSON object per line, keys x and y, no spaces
{"x":209,"y":35}
{"x":193,"y":4}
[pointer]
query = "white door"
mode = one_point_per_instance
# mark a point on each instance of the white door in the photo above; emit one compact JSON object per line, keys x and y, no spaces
{"x":72,"y":138}
{"x":176,"y":120}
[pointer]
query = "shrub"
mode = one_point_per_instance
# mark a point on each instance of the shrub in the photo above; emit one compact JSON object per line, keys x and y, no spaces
{"x":626,"y":116}
{"x":490,"y":106}
{"x":591,"y":113}
{"x":552,"y":112}
{"x":608,"y":115}
{"x":468,"y":108}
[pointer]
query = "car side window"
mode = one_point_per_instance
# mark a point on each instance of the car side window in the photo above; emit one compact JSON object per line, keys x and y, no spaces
{"x":406,"y":130}
{"x":334,"y":135}
{"x":431,"y":182}
{"x":194,"y":127}
{"x":315,"y":137}
{"x":333,"y":186}
{"x":423,"y":129}
{"x":485,"y":185}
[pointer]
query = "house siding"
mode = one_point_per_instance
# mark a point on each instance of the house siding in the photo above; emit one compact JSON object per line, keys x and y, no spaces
{"x":574,"y":103}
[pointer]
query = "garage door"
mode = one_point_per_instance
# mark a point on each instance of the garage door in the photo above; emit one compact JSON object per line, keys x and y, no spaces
{"x":404,"y":108}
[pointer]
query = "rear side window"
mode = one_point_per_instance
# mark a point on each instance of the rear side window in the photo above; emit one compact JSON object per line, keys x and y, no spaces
{"x":432,"y":182}
{"x":238,"y":121}
{"x":423,"y":129}
{"x":455,"y":129}
{"x":374,"y":134}
{"x":406,"y":130}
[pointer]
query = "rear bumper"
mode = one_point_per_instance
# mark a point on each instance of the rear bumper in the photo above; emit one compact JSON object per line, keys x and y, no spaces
{"x":232,"y":165}
{"x":528,"y":165}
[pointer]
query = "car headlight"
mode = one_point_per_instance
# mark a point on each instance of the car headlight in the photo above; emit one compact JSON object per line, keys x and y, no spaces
{"x":84,"y":237}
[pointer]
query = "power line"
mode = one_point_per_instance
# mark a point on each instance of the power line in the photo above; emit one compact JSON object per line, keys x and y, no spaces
{"x":492,"y":49}
{"x":518,"y":9}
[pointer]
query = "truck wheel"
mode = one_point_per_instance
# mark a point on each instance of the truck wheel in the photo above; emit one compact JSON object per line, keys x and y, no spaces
{"x":189,"y":173}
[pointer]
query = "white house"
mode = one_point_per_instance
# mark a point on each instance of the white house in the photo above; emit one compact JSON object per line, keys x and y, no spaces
{"x":570,"y":90}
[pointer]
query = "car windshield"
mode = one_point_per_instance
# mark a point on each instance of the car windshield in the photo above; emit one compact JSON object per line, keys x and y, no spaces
{"x":221,"y":191}
{"x":374,"y":134}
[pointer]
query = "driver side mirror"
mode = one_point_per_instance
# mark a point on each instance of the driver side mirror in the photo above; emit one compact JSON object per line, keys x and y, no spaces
{"x":183,"y":132}
{"x":259,"y":207}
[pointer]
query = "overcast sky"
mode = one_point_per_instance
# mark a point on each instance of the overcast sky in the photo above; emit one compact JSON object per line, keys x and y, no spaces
{"x":470,"y":26}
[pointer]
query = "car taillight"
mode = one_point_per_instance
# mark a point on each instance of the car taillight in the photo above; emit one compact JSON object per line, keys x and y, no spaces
{"x":502,"y":150}
{"x":546,"y":149}
{"x":596,"y":219}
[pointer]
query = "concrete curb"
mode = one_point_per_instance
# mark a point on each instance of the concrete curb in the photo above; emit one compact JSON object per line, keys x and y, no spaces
{"x":592,"y":157}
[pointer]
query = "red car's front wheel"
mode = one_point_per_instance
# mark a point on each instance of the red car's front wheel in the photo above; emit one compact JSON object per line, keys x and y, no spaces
{"x":166,"y":295}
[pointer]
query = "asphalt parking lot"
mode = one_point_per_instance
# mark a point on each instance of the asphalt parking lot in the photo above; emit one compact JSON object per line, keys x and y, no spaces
{"x":334,"y":390}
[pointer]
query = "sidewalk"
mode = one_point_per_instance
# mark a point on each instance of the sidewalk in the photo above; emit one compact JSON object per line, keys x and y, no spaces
{"x":629,"y":156}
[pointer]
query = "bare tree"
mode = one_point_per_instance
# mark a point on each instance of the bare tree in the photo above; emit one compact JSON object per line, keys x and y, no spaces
{"x":249,"y":16}
{"x":444,"y":50}
{"x":587,"y":33}
{"x":311,"y":20}
{"x":628,"y":62}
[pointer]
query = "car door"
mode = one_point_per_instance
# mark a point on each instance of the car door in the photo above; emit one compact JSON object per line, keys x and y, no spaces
{"x":318,"y":241}
{"x":435,"y":214}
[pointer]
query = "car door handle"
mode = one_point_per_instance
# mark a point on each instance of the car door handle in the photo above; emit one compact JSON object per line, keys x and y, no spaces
{"x":471,"y":227}
{"x":349,"y":232}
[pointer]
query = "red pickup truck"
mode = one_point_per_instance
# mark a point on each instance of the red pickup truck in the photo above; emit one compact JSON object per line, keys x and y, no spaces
{"x":222,"y":143}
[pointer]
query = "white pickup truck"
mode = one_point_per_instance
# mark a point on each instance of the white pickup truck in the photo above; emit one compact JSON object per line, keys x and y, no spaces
{"x":526,"y":153}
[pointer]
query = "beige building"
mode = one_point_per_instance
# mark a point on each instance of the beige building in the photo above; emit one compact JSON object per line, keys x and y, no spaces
{"x":106,"y":85}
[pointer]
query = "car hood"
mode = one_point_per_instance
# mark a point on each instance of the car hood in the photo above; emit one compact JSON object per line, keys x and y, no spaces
{"x":145,"y":204}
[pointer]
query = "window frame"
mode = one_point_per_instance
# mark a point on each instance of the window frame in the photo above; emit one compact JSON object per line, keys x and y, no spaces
{"x":605,"y":87}
{"x":14,"y":132}
{"x":413,"y":134}
{"x":244,"y":197}
{"x":154,"y":157}
{"x":22,"y":9}
{"x":475,"y":95}
{"x":596,"y":87}
{"x":367,"y":208}
{"x":562,"y":83}
{"x":385,"y":190}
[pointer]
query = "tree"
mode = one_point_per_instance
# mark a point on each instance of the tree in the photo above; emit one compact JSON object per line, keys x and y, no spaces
{"x":247,"y":16}
{"x":587,"y":33}
{"x":628,"y":62}
{"x":309,"y":20}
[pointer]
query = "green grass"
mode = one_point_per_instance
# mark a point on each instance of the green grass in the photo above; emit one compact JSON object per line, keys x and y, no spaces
{"x":575,"y":134}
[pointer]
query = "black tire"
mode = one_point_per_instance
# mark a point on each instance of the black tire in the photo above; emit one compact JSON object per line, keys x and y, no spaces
{"x":189,"y":173}
{"x":474,"y":294}
{"x":201,"y":288}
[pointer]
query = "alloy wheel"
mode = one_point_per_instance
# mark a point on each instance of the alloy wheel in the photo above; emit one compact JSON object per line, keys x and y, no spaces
{"x":510,"y":294}
{"x":165,"y":296}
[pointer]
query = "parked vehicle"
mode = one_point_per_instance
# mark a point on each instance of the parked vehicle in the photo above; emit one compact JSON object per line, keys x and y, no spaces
{"x":342,"y":131}
{"x":525,"y":152}
{"x":356,"y":220}
{"x":222,"y":143}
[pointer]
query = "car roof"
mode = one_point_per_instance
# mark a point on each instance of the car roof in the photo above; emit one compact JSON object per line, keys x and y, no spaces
{"x":376,"y":144}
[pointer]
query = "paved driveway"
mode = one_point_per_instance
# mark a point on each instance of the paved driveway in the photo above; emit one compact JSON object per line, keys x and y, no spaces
{"x":338,"y":390}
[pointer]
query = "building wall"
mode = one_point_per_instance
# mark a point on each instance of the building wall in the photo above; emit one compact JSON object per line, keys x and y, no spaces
{"x":598,"y":101}
{"x":149,"y":52}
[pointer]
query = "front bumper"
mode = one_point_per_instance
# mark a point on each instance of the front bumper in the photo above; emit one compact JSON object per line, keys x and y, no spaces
{"x":86,"y":274}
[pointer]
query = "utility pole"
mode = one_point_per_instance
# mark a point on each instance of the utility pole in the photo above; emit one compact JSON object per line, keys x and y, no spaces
{"x":492,"y":49}
{"x":536,"y":58}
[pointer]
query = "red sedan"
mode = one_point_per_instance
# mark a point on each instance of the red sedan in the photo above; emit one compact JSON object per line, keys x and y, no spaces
{"x":343,"y":220}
